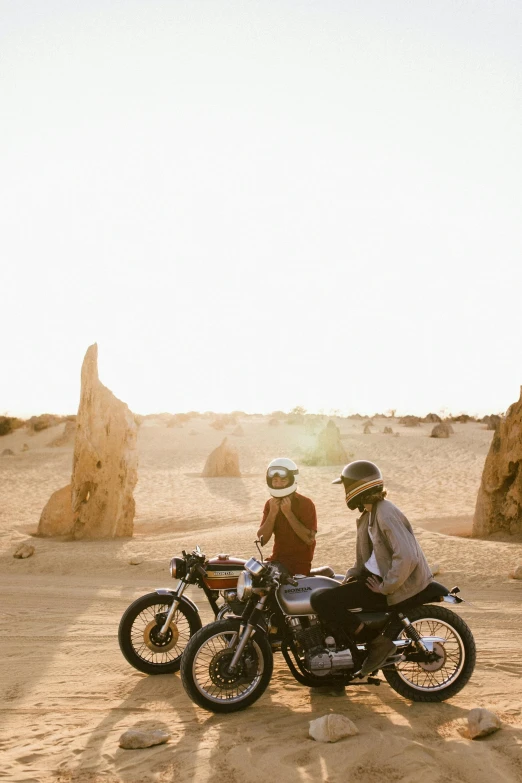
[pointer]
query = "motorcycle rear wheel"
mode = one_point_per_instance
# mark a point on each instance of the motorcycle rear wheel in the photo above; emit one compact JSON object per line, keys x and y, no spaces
{"x":443,"y":679}
{"x":204,"y":671}
{"x":138,"y":629}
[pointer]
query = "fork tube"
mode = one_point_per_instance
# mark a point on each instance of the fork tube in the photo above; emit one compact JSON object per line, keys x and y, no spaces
{"x":180,"y":589}
{"x":247,"y":633}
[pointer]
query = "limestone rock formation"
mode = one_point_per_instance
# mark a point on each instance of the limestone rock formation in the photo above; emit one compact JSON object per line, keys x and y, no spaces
{"x":388,"y":430}
{"x":238,"y":431}
{"x":432,"y":418}
{"x":223,"y":461}
{"x":331,"y":728}
{"x":67,"y":436}
{"x":499,"y":501}
{"x":57,"y":518}
{"x":328,"y":450}
{"x":442,"y":430}
{"x":367,"y":429}
{"x":105,"y":466}
{"x":142,"y":738}
{"x":482,"y":722}
{"x":7,"y":453}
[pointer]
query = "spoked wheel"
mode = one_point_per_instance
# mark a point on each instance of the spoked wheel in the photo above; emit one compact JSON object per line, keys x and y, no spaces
{"x":206,"y":674}
{"x":452,"y":663}
{"x":139,"y":634}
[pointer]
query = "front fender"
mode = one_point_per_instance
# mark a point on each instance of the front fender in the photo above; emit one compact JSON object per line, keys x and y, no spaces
{"x":183,"y":600}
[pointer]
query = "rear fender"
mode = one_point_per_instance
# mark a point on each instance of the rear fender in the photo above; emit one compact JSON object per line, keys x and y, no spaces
{"x":183,"y":600}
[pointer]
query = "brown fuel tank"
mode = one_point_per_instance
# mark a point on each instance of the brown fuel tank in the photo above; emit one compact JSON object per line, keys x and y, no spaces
{"x":223,"y":572}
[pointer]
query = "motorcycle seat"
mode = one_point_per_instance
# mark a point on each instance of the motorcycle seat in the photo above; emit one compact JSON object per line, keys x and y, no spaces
{"x":432,"y":593}
{"x":322,"y":571}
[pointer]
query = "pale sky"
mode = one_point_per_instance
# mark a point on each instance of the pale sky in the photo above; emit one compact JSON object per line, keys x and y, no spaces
{"x":255,"y":205}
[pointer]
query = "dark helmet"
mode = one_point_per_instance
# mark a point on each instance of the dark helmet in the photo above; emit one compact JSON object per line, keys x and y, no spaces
{"x":358,"y":477}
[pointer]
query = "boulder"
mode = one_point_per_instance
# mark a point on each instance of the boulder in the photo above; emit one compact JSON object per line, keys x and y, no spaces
{"x":223,"y":461}
{"x":136,"y":560}
{"x":482,"y":722}
{"x":516,"y":572}
{"x":442,"y":430}
{"x":23,"y":550}
{"x":499,"y":501}
{"x":141,"y":738}
{"x":57,"y":518}
{"x":105,"y":466}
{"x":331,"y":728}
{"x":7,"y":453}
{"x":328,"y":449}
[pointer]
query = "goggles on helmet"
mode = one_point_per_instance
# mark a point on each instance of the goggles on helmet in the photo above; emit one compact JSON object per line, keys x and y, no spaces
{"x":278,"y":471}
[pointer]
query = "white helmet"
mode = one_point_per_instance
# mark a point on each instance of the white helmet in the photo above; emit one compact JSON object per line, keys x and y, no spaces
{"x":285,"y":468}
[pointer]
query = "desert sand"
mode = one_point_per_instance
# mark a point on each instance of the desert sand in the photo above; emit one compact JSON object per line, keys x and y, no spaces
{"x":67,"y":694}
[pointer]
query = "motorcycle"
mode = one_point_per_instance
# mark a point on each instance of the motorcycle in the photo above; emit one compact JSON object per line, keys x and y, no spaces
{"x":154,"y":629}
{"x":228,"y":664}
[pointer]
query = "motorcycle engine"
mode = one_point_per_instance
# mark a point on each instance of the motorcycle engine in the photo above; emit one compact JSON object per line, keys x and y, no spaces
{"x":321,"y":655}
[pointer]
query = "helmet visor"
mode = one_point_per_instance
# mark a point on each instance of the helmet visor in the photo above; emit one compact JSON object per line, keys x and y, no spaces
{"x":276,"y":470}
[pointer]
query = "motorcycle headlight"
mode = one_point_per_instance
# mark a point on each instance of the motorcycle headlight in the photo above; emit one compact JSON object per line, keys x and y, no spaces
{"x":178,"y":567}
{"x":244,"y":586}
{"x":255,"y":567}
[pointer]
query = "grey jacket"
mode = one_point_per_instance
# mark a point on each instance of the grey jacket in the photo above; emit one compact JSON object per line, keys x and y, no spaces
{"x":400,"y":559}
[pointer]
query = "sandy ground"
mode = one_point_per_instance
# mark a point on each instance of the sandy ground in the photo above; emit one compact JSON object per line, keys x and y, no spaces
{"x":67,"y":694}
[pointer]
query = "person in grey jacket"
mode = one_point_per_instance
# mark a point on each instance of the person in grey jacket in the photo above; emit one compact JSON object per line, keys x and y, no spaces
{"x":389,"y":568}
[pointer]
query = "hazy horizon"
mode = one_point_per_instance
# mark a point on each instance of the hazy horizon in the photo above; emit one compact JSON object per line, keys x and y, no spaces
{"x":256,"y":206}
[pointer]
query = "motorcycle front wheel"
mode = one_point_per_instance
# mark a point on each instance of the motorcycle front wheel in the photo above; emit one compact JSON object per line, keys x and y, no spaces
{"x":205,"y":668}
{"x":444,"y":677}
{"x":138,"y":634}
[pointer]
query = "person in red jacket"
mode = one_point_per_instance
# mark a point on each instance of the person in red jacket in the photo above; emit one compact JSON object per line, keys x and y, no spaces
{"x":290,"y":517}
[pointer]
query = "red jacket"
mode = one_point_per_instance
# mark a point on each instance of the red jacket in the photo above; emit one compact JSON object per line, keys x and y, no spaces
{"x":288,"y":547}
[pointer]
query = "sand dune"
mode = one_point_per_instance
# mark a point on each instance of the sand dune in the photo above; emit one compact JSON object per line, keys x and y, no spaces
{"x":67,"y":693}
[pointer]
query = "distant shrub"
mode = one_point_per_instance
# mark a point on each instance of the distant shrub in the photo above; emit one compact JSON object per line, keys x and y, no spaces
{"x":9,"y":424}
{"x":44,"y":421}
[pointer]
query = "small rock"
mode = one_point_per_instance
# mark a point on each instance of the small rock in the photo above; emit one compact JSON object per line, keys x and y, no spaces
{"x":331,"y":728}
{"x":7,"y":453}
{"x":136,"y":560}
{"x":435,"y":569}
{"x":517,"y":572}
{"x":482,"y":722}
{"x":25,"y":447}
{"x":23,"y":551}
{"x":140,"y":738}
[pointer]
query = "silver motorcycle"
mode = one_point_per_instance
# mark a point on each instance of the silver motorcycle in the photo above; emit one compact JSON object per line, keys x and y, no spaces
{"x":228,"y":664}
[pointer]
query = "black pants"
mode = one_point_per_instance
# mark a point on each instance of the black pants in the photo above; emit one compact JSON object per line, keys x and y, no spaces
{"x":333,"y":605}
